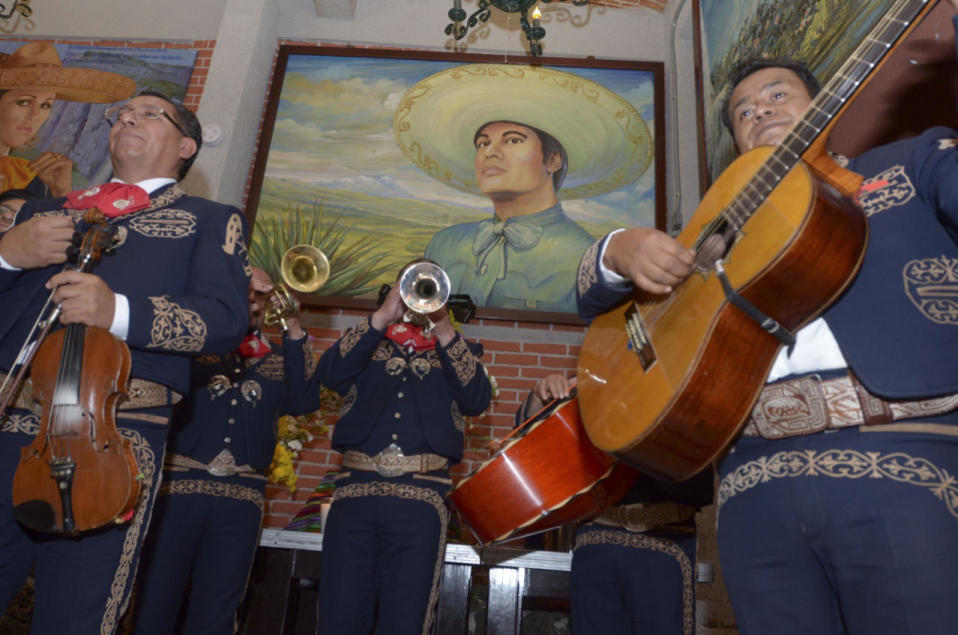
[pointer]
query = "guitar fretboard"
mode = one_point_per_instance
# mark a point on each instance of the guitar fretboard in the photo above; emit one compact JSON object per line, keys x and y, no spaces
{"x":839,"y":90}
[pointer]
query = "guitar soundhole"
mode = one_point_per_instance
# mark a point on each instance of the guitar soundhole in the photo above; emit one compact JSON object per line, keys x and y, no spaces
{"x":714,"y":244}
{"x":639,"y":337}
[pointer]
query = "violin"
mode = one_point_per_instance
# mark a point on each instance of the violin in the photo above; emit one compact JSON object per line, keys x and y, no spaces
{"x":79,"y":473}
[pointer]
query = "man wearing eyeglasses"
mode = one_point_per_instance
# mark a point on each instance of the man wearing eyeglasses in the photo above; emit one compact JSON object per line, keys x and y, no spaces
{"x":10,"y":203}
{"x":173,"y":287}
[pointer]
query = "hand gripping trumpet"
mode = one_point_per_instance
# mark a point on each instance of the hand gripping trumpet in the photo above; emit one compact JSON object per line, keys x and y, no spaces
{"x":304,"y":268}
{"x":424,"y":288}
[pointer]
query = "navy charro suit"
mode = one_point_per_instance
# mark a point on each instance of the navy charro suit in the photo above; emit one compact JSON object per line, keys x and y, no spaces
{"x":385,"y":535}
{"x":863,"y":519}
{"x":182,"y":264}
{"x":207,"y":521}
{"x":855,"y":529}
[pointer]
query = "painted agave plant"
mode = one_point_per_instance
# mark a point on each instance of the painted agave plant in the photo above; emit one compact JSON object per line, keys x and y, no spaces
{"x":353,"y":264}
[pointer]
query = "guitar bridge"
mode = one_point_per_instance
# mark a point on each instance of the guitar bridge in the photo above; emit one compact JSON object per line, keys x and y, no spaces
{"x":638,"y":337}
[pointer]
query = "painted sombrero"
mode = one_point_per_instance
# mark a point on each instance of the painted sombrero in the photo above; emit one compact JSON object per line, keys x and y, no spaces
{"x":608,"y":143}
{"x":37,"y":66}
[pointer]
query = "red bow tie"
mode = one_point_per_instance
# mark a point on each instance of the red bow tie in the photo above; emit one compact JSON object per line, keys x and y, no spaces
{"x":113,"y":199}
{"x":254,"y":346}
{"x":410,"y":336}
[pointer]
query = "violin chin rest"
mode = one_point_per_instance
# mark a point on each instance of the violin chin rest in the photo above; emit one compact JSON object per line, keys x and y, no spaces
{"x":37,"y":515}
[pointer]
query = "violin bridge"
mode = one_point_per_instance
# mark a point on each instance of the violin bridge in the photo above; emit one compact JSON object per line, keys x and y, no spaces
{"x":638,"y":337}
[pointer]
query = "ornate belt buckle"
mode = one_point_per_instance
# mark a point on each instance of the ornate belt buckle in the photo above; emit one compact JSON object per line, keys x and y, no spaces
{"x":218,"y":470}
{"x":223,"y":464}
{"x":791,"y":408}
{"x":389,"y":461}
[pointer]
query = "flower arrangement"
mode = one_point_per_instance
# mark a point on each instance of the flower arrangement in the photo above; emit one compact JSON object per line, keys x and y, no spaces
{"x":291,"y":434}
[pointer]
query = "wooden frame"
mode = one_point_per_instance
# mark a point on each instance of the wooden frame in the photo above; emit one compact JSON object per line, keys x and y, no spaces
{"x":327,"y":157}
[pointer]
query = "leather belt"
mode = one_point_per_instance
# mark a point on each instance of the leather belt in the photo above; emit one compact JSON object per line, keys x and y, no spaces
{"x":392,"y":462}
{"x":645,"y":516}
{"x":24,"y":399}
{"x":810,"y":404}
{"x":148,"y":394}
{"x":143,"y":393}
{"x":223,"y":465}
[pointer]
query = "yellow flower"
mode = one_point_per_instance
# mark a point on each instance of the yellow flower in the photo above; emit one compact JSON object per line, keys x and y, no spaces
{"x":281,"y":471}
{"x":292,"y":435}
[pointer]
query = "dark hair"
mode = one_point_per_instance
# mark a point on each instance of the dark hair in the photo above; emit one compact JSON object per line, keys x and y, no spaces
{"x":550,"y":145}
{"x":187,"y":120}
{"x":745,"y":68}
{"x":9,"y":195}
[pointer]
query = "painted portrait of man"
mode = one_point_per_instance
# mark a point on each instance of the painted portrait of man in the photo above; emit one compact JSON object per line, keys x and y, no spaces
{"x":521,"y":137}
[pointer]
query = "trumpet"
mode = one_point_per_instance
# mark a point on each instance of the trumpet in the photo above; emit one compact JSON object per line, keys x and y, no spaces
{"x":424,"y":288}
{"x":280,"y":304}
{"x":304,"y":268}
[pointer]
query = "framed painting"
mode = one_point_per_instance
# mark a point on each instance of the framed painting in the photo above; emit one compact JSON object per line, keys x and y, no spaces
{"x":820,"y":33}
{"x":77,"y":129}
{"x":371,"y":156}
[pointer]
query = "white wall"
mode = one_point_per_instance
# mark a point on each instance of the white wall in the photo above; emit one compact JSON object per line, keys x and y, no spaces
{"x":247,"y":32}
{"x":127,"y":19}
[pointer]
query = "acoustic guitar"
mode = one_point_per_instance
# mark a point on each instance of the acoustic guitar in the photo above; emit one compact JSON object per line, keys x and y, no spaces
{"x":665,"y":382}
{"x":547,"y":474}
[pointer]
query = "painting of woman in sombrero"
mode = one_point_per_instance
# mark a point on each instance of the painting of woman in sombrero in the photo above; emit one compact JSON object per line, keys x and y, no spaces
{"x":32,"y":78}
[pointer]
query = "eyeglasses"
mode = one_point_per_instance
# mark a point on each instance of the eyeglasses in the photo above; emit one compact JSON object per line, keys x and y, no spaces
{"x":145,"y":113}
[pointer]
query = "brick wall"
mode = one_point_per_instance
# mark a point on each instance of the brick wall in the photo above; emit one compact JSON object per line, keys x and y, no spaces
{"x":516,"y":363}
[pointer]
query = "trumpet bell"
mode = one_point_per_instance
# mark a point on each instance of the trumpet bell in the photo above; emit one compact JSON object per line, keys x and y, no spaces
{"x":424,"y":287}
{"x":304,"y":268}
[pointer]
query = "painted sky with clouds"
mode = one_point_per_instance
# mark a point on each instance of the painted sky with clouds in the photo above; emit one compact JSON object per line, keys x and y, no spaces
{"x":334,"y":127}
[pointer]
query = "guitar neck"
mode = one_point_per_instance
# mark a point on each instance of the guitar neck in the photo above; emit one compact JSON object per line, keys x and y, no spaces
{"x":826,"y":106}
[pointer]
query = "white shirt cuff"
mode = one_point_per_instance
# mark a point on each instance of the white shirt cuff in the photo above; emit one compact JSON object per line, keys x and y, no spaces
{"x":121,"y":317}
{"x":610,"y":276}
{"x":6,"y":265}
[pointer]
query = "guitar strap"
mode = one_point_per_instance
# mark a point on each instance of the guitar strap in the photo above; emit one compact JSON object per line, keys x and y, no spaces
{"x":768,"y":324}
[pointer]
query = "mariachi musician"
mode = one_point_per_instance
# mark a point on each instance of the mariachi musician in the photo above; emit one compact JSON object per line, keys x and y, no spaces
{"x":837,"y":500}
{"x":208,"y":516}
{"x":406,"y":389}
{"x":173,"y":286}
{"x":633,"y":566}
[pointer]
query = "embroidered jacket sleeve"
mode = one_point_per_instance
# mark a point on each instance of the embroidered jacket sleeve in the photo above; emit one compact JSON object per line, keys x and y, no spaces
{"x":208,"y":314}
{"x":302,"y":380}
{"x":935,"y":167}
{"x":9,"y":277}
{"x":465,"y":375}
{"x":343,"y":362}
{"x":595,"y":293}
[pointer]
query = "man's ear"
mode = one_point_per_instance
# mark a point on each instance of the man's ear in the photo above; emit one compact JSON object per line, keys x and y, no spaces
{"x":187,"y":147}
{"x":554,"y":163}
